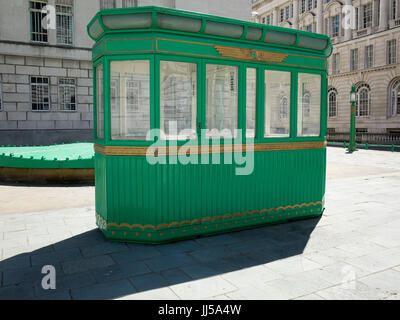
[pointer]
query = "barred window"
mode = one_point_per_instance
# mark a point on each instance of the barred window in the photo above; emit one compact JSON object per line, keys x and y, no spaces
{"x":129,"y":3}
{"x":64,"y":15}
{"x":67,"y":94}
{"x":363,"y":100}
{"x":107,"y":4}
{"x":38,"y":33}
{"x":391,"y":51}
{"x":40,"y":98}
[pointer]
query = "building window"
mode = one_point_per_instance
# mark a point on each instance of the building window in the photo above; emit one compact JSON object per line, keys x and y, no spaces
{"x":99,"y":102}
{"x":394,"y":92}
{"x":303,"y":6}
{"x":251,"y":91}
{"x":367,"y":15}
{"x":391,"y":51}
{"x":107,"y":4}
{"x":332,"y":103}
{"x":357,"y":19}
{"x":67,"y":94}
{"x":38,"y":33}
{"x":1,"y":98}
{"x":309,"y":104}
{"x":129,"y":3}
{"x":40,"y":98}
{"x":393,"y":11}
{"x":335,"y":63}
{"x":363,"y":100}
{"x":221,"y":100}
{"x":369,"y":56}
{"x":130,"y":105}
{"x":277,"y":104}
{"x":309,"y":5}
{"x":269,"y":19}
{"x":335,"y":26}
{"x":353,"y":59}
{"x":287,"y":12}
{"x":64,"y":15}
{"x":282,"y":15}
{"x":309,"y":28}
{"x":178,"y":99}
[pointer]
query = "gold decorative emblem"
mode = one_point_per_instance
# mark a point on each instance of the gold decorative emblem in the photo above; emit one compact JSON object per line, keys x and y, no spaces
{"x":251,"y":54}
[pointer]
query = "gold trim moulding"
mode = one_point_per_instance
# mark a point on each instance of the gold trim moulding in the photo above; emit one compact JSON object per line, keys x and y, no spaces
{"x":193,"y":150}
{"x":202,"y":220}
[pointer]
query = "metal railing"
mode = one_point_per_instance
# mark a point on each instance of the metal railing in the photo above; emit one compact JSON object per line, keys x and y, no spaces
{"x":369,"y":138}
{"x":367,"y":145}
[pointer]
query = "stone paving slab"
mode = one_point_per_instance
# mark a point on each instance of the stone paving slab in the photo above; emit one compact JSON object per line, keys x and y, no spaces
{"x":351,"y":252}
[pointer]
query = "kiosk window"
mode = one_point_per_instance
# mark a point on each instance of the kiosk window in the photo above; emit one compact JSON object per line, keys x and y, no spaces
{"x":251,"y":84}
{"x":178,"y":99}
{"x":277,"y":104}
{"x":99,"y":102}
{"x":130,"y":99}
{"x":222,"y":100}
{"x":309,"y":105}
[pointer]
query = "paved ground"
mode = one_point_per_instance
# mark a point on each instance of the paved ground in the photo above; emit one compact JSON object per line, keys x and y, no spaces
{"x":352,"y":252}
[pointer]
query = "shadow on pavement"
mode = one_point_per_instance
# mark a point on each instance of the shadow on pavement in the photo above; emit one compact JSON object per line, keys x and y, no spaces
{"x":90,"y":267}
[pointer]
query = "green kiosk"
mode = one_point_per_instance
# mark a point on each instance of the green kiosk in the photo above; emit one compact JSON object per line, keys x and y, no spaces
{"x":205,"y":124}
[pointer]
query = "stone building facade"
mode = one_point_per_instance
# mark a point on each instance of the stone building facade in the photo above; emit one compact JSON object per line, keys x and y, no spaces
{"x":365,"y":55}
{"x":46,"y":84}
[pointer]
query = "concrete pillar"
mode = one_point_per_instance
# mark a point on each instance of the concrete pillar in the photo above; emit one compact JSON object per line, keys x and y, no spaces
{"x":383,"y":15}
{"x":398,"y":9}
{"x":360,"y":17}
{"x":320,"y":17}
{"x":275,"y":17}
{"x":295,"y":14}
{"x":348,"y":33}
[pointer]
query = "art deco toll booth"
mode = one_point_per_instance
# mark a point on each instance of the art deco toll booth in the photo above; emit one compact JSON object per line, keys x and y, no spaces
{"x":154,"y":67}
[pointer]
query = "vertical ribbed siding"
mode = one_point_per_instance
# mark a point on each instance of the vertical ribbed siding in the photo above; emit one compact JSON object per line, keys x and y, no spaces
{"x":138,"y":193}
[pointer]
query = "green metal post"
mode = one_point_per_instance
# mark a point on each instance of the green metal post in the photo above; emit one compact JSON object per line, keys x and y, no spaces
{"x":352,"y":141}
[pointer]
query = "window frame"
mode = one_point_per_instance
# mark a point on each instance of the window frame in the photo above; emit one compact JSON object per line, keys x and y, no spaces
{"x":362,"y":87}
{"x":71,"y":15}
{"x":369,"y":56}
{"x":241,"y":77}
{"x":107,"y":98}
{"x":48,"y":93}
{"x":391,"y":57}
{"x":334,"y":92}
{"x":45,"y":33}
{"x":394,"y":107}
{"x":323,"y":110}
{"x":354,"y":57}
{"x":171,"y":58}
{"x":59,"y":86}
{"x":1,"y":96}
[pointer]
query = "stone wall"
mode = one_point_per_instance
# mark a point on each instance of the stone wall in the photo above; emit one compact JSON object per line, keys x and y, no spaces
{"x":17,"y":114}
